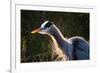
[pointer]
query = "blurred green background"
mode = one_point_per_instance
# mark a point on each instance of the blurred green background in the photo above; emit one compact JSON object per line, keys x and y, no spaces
{"x":36,"y":48}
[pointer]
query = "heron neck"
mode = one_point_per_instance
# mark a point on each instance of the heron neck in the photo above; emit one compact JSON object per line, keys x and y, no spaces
{"x":59,"y":37}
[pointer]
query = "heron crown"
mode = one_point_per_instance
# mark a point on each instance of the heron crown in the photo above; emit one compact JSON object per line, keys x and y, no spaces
{"x":46,"y":24}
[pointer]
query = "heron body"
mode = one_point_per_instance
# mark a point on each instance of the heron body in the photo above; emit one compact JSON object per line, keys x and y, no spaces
{"x":75,"y":48}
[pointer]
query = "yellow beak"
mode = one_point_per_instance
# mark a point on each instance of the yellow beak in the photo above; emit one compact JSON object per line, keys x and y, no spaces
{"x":35,"y":31}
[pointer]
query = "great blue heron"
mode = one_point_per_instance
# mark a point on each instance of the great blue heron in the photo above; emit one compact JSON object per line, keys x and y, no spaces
{"x":75,"y":48}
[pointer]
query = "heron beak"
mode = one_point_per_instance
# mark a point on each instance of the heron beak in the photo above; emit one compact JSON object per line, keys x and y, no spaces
{"x":35,"y":31}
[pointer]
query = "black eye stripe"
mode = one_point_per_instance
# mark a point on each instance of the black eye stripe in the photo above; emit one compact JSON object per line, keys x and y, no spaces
{"x":48,"y":24}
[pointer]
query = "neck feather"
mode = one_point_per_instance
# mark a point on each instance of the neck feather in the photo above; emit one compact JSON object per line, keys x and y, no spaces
{"x":58,"y":36}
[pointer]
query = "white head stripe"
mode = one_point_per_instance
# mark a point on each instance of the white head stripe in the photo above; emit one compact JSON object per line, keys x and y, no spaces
{"x":43,"y":24}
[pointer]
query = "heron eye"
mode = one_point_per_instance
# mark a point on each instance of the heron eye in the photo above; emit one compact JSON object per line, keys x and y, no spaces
{"x":48,"y":24}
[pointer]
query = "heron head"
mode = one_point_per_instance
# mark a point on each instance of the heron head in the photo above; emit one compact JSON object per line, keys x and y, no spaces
{"x":44,"y":28}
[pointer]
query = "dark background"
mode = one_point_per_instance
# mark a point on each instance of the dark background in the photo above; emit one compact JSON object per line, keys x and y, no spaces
{"x":35,"y":46}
